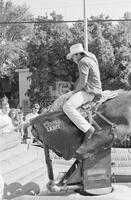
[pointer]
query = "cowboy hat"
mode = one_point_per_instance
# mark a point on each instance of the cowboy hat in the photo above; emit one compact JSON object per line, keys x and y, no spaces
{"x":78,"y":48}
{"x":74,"y":49}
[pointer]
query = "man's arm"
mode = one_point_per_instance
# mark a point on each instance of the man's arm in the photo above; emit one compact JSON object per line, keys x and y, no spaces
{"x":83,"y":76}
{"x":75,"y":83}
{"x":81,"y":82}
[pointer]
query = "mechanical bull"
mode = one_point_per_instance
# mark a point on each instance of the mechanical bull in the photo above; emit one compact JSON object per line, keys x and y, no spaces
{"x":91,"y":172}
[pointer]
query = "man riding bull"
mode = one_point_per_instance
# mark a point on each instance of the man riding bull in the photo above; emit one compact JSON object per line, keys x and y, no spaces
{"x":87,"y":88}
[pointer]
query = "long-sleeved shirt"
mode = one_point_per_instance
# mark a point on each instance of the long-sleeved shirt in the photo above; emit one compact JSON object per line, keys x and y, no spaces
{"x":89,"y":76}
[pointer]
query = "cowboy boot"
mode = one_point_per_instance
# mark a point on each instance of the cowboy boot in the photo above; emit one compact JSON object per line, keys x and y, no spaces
{"x":87,"y":136}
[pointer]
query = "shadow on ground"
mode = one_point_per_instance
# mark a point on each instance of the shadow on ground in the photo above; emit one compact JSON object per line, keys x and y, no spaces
{"x":16,"y":189}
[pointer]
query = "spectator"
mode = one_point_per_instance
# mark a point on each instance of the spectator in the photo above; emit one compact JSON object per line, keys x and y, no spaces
{"x":13,"y":114}
{"x":5,"y":121}
{"x":3,"y":101}
{"x":21,"y":121}
{"x":20,"y":116}
{"x":33,"y":114}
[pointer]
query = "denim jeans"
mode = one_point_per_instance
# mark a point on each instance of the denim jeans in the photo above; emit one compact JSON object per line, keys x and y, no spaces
{"x":70,"y":109}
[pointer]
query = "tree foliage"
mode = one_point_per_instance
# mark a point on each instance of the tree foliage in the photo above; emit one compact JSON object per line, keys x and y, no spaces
{"x":42,"y":47}
{"x":50,"y":44}
{"x":47,"y":56}
{"x":13,"y":37}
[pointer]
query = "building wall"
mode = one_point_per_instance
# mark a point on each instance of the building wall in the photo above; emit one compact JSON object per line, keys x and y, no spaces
{"x":60,"y":87}
{"x":24,"y":85}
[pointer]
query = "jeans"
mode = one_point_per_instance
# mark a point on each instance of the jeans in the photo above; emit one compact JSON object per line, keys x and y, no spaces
{"x":70,"y":109}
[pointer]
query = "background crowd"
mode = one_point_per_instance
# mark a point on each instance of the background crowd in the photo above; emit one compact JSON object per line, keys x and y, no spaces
{"x":13,"y":119}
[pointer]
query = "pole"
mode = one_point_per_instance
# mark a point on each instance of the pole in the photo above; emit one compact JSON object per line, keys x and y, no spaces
{"x":48,"y":163}
{"x":85,"y":26}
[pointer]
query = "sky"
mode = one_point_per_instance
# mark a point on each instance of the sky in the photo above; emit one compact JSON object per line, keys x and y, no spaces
{"x":73,"y":9}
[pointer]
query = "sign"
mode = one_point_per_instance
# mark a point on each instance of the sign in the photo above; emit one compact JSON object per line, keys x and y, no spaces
{"x":52,"y":126}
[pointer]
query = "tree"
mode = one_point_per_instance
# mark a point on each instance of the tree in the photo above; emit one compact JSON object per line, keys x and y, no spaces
{"x":103,"y":50}
{"x":13,"y":37}
{"x":111,"y":47}
{"x":50,"y":44}
{"x":47,"y":56}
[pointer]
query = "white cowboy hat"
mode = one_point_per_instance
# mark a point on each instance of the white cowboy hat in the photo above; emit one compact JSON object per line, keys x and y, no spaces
{"x":74,"y":49}
{"x":78,"y":48}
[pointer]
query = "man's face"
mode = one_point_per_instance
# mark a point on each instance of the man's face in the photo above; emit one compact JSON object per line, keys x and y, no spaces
{"x":76,"y":57}
{"x":35,"y":109}
{"x":6,"y":109}
{"x":13,"y":114}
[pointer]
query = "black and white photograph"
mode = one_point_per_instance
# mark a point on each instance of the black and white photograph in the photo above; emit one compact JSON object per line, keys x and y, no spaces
{"x":65,"y":100}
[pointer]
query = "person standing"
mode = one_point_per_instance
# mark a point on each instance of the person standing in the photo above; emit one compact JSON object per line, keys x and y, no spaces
{"x":14,"y":117}
{"x":87,"y":88}
{"x":6,"y":125}
{"x":34,"y":113}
